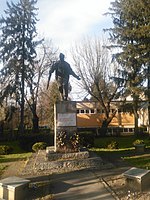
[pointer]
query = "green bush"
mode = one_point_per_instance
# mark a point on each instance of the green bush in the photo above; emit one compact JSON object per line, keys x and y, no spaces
{"x":26,"y":141}
{"x":113,"y":145}
{"x":138,"y":141}
{"x":68,"y":142}
{"x":39,"y":146}
{"x":5,"y":149}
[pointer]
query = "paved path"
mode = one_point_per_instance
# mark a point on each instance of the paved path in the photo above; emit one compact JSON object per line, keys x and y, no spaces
{"x":85,"y":184}
{"x":79,"y":185}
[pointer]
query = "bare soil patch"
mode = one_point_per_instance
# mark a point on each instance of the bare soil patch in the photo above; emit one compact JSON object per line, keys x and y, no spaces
{"x":13,"y":169}
{"x":119,"y":187}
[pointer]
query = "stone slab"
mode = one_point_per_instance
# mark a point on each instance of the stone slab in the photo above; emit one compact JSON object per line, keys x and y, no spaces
{"x":138,"y":179}
{"x":75,"y":155}
{"x":66,"y":107}
{"x":14,"y":188}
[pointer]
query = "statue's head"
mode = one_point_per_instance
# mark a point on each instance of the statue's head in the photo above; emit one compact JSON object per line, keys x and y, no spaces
{"x":61,"y":56}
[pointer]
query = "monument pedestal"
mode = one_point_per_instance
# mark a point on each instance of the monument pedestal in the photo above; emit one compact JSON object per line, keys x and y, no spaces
{"x":64,"y":119}
{"x":59,"y":159}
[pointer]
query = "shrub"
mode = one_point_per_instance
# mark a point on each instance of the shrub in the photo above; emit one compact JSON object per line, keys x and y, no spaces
{"x":75,"y":141}
{"x":113,"y":145}
{"x":39,"y":146}
{"x":5,"y":149}
{"x":68,"y":142}
{"x":136,"y":142}
{"x":26,"y":141}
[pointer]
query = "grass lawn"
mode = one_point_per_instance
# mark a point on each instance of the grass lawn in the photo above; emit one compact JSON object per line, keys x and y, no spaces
{"x":141,"y":161}
{"x":14,"y":157}
{"x":123,"y":142}
{"x":125,"y":151}
{"x":18,"y":154}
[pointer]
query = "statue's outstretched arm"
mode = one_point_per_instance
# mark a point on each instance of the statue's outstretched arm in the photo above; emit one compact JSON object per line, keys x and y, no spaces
{"x":52,"y":69}
{"x":73,"y":74}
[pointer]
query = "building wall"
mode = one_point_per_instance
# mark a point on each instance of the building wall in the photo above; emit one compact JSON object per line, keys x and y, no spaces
{"x":89,"y":120}
{"x":89,"y":114}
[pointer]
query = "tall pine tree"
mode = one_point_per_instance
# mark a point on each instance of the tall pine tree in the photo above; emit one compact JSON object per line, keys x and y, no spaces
{"x":131,"y":33}
{"x":17,"y":50}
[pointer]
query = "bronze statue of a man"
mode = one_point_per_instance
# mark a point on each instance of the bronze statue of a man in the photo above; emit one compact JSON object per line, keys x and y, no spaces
{"x":62,"y":71}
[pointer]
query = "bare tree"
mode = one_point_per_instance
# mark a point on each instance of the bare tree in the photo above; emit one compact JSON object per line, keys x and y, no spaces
{"x":46,"y":55}
{"x":47,"y":99}
{"x":94,"y":65}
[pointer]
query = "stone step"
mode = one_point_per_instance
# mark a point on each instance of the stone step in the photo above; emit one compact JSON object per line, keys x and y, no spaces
{"x":62,"y":156}
{"x":50,"y":149}
{"x":70,"y":164}
{"x":39,"y":164}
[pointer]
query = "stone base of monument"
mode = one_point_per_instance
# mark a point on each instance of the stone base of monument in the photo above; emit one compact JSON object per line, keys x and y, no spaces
{"x":14,"y":188}
{"x":52,"y":162}
{"x":138,"y":179}
{"x":52,"y":156}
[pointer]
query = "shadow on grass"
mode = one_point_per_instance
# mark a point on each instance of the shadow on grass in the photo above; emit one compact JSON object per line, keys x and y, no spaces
{"x":5,"y":160}
{"x":14,"y":157}
{"x":139,"y":160}
{"x":121,"y":157}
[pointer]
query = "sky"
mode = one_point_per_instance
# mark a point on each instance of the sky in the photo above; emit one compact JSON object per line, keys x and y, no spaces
{"x":66,"y":22}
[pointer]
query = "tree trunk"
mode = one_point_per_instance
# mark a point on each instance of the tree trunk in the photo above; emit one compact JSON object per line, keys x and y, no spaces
{"x":106,"y":122}
{"x":135,"y":110}
{"x":136,"y":127}
{"x":35,"y":119}
{"x":22,"y":128}
{"x":148,"y":88}
{"x":22,"y":106}
{"x":104,"y":126}
{"x":35,"y":122}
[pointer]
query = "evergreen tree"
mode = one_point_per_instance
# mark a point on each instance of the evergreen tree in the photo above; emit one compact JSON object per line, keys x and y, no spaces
{"x":131,"y":33}
{"x":17,"y":50}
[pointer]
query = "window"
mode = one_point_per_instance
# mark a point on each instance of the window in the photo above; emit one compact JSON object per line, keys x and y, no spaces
{"x":92,"y":110}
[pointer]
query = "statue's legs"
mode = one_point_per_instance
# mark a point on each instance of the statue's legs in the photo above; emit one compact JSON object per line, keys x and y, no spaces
{"x":60,"y":87}
{"x":66,"y":91}
{"x":63,"y":88}
{"x":61,"y":92}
